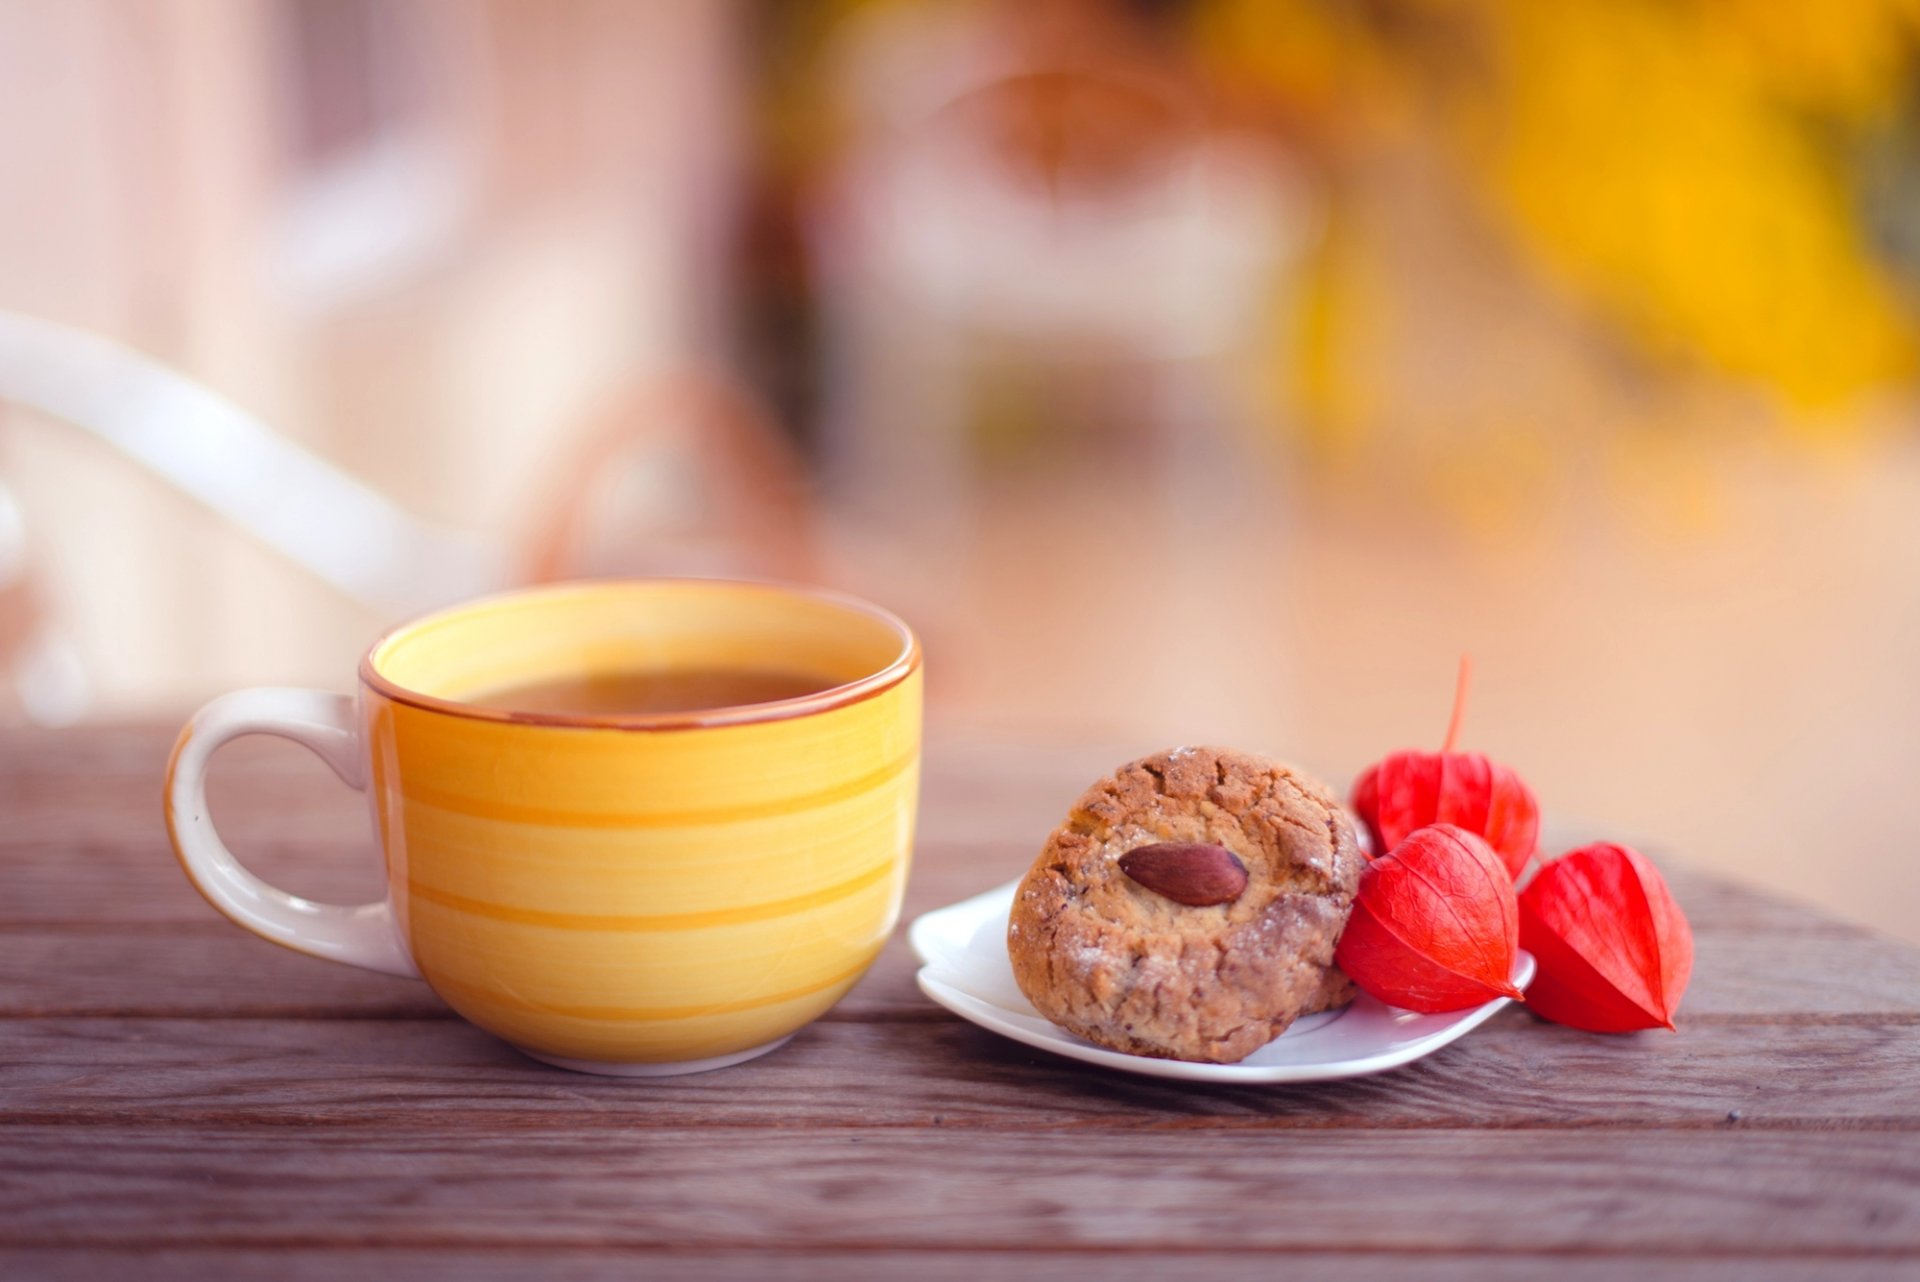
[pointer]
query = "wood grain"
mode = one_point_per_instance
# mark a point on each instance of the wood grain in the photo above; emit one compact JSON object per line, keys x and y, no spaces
{"x":214,"y":969}
{"x":1447,"y":1190}
{"x":1515,"y":1073}
{"x":83,"y":839}
{"x":178,"y":1099}
{"x":582,"y":1264}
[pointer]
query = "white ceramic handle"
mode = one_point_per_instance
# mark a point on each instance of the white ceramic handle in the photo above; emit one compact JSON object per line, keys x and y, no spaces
{"x":326,"y":723}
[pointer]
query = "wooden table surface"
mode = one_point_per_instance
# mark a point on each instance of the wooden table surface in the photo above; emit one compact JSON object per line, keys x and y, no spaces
{"x":181,"y":1099}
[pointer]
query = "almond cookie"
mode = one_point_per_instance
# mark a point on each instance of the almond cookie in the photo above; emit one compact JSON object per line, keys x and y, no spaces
{"x":1130,"y":966}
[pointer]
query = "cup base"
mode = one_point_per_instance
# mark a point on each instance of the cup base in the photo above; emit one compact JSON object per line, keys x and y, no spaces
{"x":678,"y":1068}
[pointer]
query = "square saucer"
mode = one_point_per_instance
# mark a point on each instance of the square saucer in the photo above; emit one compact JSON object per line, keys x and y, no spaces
{"x":962,"y":950}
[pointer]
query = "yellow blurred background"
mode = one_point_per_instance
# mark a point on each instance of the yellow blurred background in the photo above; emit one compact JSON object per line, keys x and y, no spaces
{"x":1185,"y":370}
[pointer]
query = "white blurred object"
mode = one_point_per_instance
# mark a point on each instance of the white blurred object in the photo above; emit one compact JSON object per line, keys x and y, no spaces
{"x":50,"y":681}
{"x":44,"y":676}
{"x":1171,"y":258}
{"x":342,"y":531}
{"x":706,"y":485}
{"x":418,"y":239}
{"x":939,"y":249}
{"x":678,"y":474}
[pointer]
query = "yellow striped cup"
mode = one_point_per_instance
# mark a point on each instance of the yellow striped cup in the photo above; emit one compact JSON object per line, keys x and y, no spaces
{"x":637,"y":894}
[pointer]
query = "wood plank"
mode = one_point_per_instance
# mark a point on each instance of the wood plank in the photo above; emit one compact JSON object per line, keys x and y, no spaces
{"x":1588,"y":1192}
{"x":948,"y":868}
{"x":131,"y":752}
{"x":131,"y":876}
{"x":131,"y":749}
{"x":1796,"y":977}
{"x":305,"y":1115}
{"x":83,"y":838}
{"x":210,"y":969}
{"x":27,"y":751}
{"x":352,"y":1264}
{"x":971,"y":791}
{"x":213,"y":969}
{"x":438,"y":1074}
{"x":108,"y":883}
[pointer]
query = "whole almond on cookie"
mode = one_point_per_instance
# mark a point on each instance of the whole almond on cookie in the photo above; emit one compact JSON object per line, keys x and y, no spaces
{"x":1187,"y":872}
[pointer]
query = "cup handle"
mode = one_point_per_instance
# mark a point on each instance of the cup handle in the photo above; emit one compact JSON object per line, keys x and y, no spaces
{"x":328,"y":724}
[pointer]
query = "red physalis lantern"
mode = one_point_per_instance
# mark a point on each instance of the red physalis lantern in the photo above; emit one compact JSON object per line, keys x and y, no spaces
{"x":1614,"y":950}
{"x":1434,"y":924}
{"x":1409,"y":790}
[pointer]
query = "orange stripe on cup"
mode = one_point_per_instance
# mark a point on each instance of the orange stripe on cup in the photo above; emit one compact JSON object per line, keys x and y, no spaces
{"x":658,"y":921}
{"x":642,"y":1014}
{"x":514,"y":812}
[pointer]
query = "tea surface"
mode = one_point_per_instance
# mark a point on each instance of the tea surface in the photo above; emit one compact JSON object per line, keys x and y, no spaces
{"x":636,"y":691}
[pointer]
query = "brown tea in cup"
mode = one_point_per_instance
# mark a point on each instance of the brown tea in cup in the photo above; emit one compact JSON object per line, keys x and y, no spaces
{"x":635,"y":691}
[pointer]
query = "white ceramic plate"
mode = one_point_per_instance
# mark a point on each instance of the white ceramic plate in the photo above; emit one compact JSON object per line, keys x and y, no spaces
{"x":963,"y":954}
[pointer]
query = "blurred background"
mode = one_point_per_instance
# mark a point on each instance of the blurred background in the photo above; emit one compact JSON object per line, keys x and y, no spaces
{"x":1184,"y":370}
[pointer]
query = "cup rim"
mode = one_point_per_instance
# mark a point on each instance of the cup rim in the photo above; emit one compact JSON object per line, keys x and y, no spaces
{"x":905,"y":662}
